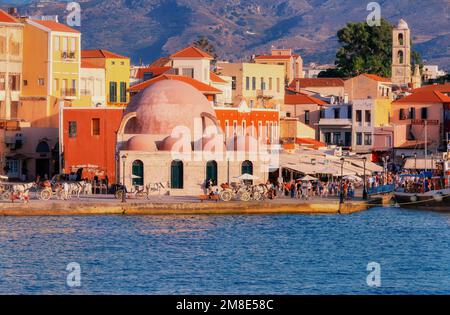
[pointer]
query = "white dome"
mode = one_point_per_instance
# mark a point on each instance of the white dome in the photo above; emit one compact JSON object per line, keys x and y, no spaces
{"x":403,"y":25}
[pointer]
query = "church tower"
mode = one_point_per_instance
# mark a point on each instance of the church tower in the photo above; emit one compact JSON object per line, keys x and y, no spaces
{"x":401,"y":54}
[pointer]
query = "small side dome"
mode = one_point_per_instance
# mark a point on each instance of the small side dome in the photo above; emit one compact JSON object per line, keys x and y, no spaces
{"x":141,"y":143}
{"x":177,"y":145}
{"x":402,"y":25}
{"x":212,"y":144}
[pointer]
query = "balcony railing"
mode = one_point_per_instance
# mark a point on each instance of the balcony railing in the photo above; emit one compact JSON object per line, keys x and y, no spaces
{"x":85,"y":92}
{"x":335,"y":122}
{"x":264,"y":94}
{"x":69,"y":92}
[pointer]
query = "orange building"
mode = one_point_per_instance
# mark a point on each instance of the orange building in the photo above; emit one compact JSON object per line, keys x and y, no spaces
{"x":89,"y":140}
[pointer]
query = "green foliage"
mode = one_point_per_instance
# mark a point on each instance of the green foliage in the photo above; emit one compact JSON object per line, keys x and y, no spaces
{"x":364,"y":49}
{"x":204,"y":44}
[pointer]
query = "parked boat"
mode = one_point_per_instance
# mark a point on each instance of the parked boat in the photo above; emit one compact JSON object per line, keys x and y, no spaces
{"x":437,"y":200}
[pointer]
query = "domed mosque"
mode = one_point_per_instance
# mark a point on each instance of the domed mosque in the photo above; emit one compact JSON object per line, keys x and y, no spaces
{"x":169,"y":135}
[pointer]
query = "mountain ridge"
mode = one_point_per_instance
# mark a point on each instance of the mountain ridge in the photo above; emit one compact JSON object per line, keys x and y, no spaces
{"x":148,"y":29}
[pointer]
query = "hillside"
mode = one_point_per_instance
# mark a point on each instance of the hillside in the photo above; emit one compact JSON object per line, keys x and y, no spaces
{"x":147,"y":29}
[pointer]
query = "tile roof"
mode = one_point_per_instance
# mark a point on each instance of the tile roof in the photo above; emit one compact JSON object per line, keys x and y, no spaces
{"x":317,"y":82}
{"x":443,"y":88}
{"x":100,"y":53}
{"x":191,"y":52}
{"x":202,"y":87}
{"x":215,"y":78}
{"x":6,"y":18}
{"x":160,"y":62}
{"x":56,"y":27}
{"x":300,"y":98}
{"x":377,"y":78}
{"x":157,"y":71}
{"x":270,"y":57}
{"x":85,"y":64}
{"x":425,"y":97}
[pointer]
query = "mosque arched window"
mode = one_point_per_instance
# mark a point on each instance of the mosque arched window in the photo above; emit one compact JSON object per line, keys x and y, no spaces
{"x":247,"y":167}
{"x":138,"y":173}
{"x":211,"y":172}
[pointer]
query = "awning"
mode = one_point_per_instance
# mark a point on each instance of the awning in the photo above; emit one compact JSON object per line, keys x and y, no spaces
{"x":420,"y":164}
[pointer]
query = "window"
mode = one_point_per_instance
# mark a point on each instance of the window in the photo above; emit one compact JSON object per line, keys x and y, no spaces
{"x":400,"y":39}
{"x":113,"y":92}
{"x":14,"y":82}
{"x":337,"y":138}
{"x":278,"y":85}
{"x":337,"y":113}
{"x":358,"y":116}
{"x":235,"y":127}
{"x":401,"y":114}
{"x":368,"y":117}
{"x":176,"y":175}
{"x":327,"y":137}
{"x":244,"y":127}
{"x":72,"y":129}
{"x":263,"y":85}
{"x":233,"y":83}
{"x":247,"y":168}
{"x":123,"y":92}
{"x":412,"y":113}
{"x":227,"y":128}
{"x":270,"y":84}
{"x":367,"y":139}
{"x":188,"y":72}
{"x":307,"y":117}
{"x":55,"y":84}
{"x":138,"y":173}
{"x":359,"y":138}
{"x":424,"y":113}
{"x":252,"y":103}
{"x":253,"y":83}
{"x":96,"y":126}
{"x":322,"y":114}
{"x":260,"y":129}
{"x":73,"y":45}
{"x":41,"y":82}
{"x":57,"y":47}
{"x":400,"y":57}
{"x":148,"y":75}
{"x":25,"y":82}
{"x":247,"y":83}
{"x":65,"y":47}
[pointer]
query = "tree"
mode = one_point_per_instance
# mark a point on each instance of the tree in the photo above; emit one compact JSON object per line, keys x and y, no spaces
{"x":364,"y":49}
{"x":204,"y":44}
{"x":416,"y":59}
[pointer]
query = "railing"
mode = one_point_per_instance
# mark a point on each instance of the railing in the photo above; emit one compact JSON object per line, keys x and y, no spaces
{"x":264,"y":94}
{"x":69,"y":92}
{"x":381,"y":190}
{"x":67,"y":55}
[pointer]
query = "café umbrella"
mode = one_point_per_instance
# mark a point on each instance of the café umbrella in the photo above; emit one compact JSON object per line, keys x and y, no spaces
{"x":247,"y":177}
{"x":308,"y":178}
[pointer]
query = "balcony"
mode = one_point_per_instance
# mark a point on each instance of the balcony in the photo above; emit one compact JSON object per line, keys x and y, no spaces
{"x":69,"y":93}
{"x":341,"y":122}
{"x":264,"y":94}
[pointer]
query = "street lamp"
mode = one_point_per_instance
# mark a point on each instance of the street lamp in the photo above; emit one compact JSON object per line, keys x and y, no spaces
{"x":341,"y":199}
{"x":124,"y":188}
{"x":365,"y":197}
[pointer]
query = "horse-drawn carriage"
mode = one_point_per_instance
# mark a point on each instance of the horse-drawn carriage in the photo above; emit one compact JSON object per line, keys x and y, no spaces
{"x":139,"y":192}
{"x":243,"y":192}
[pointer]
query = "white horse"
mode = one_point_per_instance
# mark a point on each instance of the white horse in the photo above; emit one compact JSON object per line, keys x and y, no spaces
{"x":154,"y":187}
{"x":22,"y":191}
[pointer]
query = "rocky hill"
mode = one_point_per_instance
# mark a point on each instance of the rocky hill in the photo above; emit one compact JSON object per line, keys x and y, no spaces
{"x":147,"y":29}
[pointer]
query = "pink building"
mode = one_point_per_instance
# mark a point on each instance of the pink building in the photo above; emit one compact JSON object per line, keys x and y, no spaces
{"x":410,"y":115}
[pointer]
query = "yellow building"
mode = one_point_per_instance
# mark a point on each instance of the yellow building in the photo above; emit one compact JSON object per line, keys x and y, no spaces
{"x":11,"y":57}
{"x":51,"y":71}
{"x":117,"y":74}
{"x":259,"y":85}
{"x":293,"y":63}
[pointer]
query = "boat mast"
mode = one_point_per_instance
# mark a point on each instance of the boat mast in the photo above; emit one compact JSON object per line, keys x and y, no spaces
{"x":426,"y":144}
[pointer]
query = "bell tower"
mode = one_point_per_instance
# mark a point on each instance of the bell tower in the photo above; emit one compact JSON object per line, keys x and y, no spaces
{"x":401,"y":54}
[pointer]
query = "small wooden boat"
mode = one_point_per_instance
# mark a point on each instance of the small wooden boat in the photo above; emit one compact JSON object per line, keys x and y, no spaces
{"x":436,"y":200}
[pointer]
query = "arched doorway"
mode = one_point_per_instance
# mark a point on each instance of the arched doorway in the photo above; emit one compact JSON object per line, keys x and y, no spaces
{"x":247,"y":168}
{"x":176,"y":175}
{"x":211,"y":172}
{"x":43,"y":161}
{"x":138,"y":173}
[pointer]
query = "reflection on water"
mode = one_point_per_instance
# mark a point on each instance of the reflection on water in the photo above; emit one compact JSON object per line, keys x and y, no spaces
{"x":227,"y":254}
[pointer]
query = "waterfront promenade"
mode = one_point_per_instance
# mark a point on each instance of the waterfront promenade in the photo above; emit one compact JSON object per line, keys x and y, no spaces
{"x":170,"y":205}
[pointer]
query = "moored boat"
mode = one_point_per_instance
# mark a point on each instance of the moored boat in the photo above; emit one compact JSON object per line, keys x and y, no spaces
{"x":437,"y":200}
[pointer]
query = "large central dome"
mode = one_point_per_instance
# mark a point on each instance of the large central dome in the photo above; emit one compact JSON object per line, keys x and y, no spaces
{"x":168,"y":104}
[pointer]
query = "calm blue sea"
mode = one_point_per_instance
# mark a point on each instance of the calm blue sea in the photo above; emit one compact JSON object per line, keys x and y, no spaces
{"x":282,"y":254}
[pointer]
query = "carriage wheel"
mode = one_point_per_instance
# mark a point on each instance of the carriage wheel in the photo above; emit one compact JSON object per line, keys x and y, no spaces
{"x":6,"y":195}
{"x":245,"y":196}
{"x":257,"y":196}
{"x":118,"y":194}
{"x":226,"y":195}
{"x":46,"y":194}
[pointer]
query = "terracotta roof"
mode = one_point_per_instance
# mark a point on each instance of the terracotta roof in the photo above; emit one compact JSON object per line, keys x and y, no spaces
{"x":160,"y":62}
{"x":376,"y":78}
{"x":425,"y":97}
{"x":191,"y":52}
{"x":301,"y":98}
{"x":157,"y":71}
{"x":443,"y":88}
{"x":56,"y":27}
{"x":318,"y":82}
{"x":100,"y":53}
{"x":86,"y":64}
{"x":6,"y":18}
{"x":310,"y":142}
{"x":202,"y":87}
{"x":412,"y":144}
{"x":215,"y":78}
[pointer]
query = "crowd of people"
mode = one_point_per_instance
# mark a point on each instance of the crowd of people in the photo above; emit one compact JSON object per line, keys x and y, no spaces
{"x":305,"y":190}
